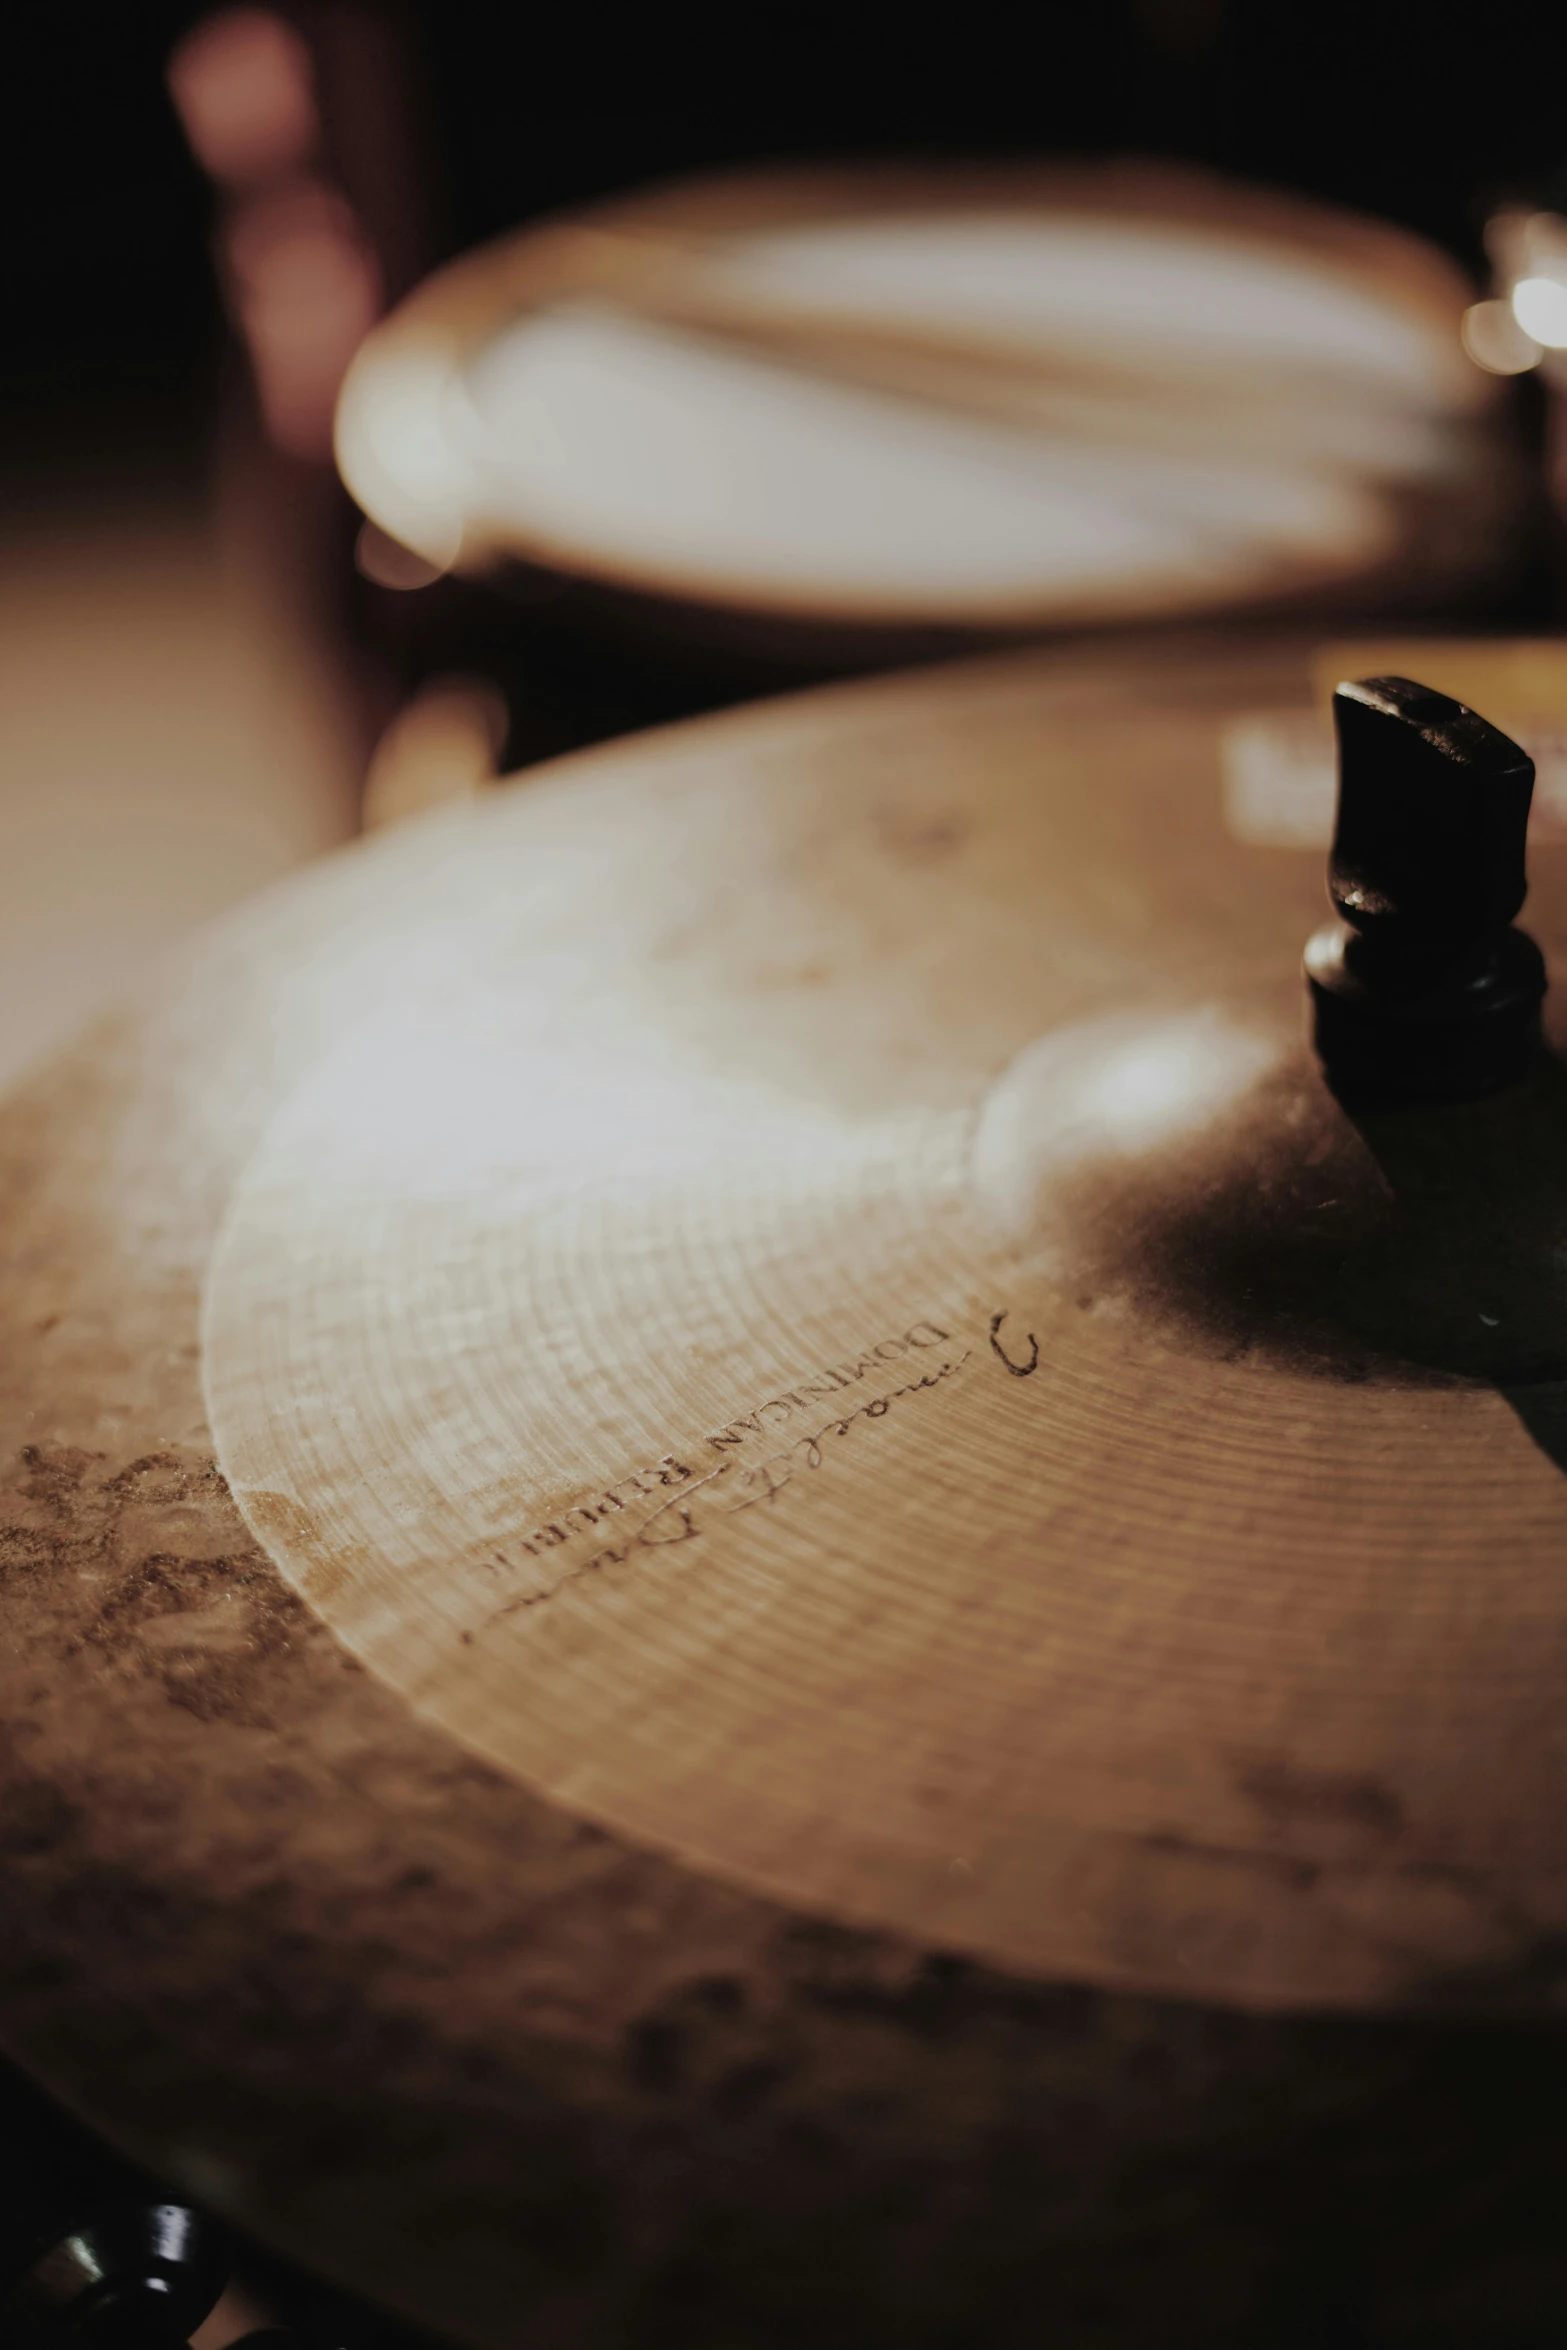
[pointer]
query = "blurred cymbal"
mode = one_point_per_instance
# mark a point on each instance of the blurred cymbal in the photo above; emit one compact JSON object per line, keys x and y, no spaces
{"x":727,"y":1289}
{"x":818,"y":411}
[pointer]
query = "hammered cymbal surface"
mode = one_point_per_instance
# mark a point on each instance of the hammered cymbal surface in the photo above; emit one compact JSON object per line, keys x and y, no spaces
{"x":490,"y":2040}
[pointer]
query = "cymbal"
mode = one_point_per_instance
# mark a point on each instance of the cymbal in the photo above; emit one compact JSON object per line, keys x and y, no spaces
{"x":827,"y":406}
{"x":731,"y":1474}
{"x":617,"y":1339}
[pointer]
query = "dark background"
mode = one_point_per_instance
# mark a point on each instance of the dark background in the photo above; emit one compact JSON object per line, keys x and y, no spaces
{"x":106,"y":292}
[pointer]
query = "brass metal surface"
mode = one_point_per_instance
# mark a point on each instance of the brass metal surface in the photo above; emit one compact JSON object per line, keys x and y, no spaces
{"x":787,"y":1289}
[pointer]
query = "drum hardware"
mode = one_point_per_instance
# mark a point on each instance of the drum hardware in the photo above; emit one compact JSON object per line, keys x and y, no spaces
{"x":1422,"y":989}
{"x":131,"y":2278}
{"x":94,"y":2251}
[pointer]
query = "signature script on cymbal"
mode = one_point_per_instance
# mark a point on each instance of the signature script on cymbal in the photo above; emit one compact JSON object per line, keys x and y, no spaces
{"x":736,"y":1483}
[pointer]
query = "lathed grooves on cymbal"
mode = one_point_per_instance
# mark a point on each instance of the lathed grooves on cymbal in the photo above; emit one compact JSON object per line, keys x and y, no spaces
{"x":266,"y":1921}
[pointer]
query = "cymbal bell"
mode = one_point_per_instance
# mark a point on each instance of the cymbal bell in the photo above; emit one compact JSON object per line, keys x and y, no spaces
{"x":1188,"y":1175}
